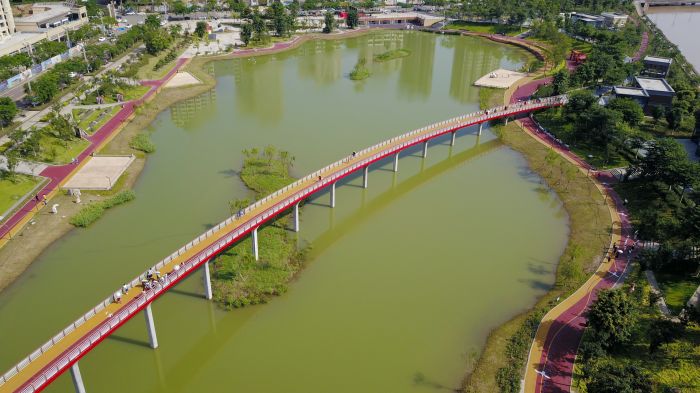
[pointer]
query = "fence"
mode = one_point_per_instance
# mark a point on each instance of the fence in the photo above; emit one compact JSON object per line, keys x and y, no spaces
{"x":39,"y":68}
{"x":306,"y":186}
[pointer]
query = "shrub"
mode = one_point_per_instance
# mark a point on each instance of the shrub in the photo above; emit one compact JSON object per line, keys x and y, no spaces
{"x":94,"y":211}
{"x":142,"y":142}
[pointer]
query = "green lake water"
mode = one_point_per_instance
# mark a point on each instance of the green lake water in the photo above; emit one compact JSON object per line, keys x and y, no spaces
{"x":404,"y":279}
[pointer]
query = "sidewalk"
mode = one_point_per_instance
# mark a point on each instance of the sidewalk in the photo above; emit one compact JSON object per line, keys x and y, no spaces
{"x":556,"y":342}
{"x":59,"y":174}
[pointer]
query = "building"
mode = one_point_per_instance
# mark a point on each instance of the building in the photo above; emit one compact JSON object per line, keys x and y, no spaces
{"x":592,"y":20}
{"x":658,"y":67}
{"x":650,"y":93}
{"x":41,"y":21}
{"x":609,"y":20}
{"x":659,"y":91}
{"x":394,"y":18}
{"x":44,"y":16}
{"x":7,"y":22}
{"x":614,"y":20}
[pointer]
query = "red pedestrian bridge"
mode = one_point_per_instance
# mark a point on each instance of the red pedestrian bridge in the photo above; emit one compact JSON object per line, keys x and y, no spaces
{"x":63,"y":351}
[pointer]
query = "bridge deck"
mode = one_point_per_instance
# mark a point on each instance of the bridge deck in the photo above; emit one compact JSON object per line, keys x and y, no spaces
{"x":46,"y":363}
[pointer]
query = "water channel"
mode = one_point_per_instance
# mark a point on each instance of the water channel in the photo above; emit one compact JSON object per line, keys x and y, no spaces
{"x":404,"y":280}
{"x":681,"y":25}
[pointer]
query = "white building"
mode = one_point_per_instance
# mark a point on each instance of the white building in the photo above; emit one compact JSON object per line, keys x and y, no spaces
{"x":7,"y":23}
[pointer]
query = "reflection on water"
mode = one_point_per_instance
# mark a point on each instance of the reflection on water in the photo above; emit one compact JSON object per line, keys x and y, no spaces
{"x":191,"y":113}
{"x":416,"y":75}
{"x":402,"y":276}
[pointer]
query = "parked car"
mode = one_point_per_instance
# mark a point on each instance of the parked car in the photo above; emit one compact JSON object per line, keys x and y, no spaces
{"x":102,"y":39}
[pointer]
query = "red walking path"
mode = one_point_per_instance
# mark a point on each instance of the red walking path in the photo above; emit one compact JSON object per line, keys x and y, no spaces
{"x":59,"y":174}
{"x":558,"y":337}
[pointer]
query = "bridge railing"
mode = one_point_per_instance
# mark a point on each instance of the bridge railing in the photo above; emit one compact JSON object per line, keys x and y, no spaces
{"x":191,"y":263}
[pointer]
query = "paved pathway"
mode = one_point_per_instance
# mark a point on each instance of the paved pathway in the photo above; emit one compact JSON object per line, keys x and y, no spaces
{"x":58,"y":174}
{"x":557,"y":339}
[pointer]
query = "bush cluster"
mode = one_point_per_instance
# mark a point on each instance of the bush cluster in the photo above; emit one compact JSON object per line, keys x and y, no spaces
{"x":94,"y":211}
{"x":143,"y":143}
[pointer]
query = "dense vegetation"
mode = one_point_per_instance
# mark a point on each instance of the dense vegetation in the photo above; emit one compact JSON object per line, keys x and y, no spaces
{"x":93,"y":211}
{"x":240,"y":280}
{"x":143,"y":143}
{"x":360,"y":71}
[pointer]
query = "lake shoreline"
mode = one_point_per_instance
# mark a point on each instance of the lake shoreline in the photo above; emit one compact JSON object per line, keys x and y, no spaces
{"x":169,"y":96}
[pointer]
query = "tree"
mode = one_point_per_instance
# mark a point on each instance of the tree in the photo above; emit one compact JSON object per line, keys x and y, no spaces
{"x":246,"y":33}
{"x":329,"y":22}
{"x":612,"y":317}
{"x":156,"y":41}
{"x":657,"y":112}
{"x":8,"y":110}
{"x":279,"y":18}
{"x":630,"y":110}
{"x":259,"y":27}
{"x":44,"y":88}
{"x":152,"y":22}
{"x":616,"y":378}
{"x":352,"y":18}
{"x":674,"y":117}
{"x":201,"y":29}
{"x":175,"y":30}
{"x":561,"y":81}
{"x":179,"y":7}
{"x":663,"y":331}
{"x":667,"y":161}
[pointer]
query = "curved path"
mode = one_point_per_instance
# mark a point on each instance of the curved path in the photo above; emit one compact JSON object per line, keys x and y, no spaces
{"x":45,"y":364}
{"x":553,"y":352}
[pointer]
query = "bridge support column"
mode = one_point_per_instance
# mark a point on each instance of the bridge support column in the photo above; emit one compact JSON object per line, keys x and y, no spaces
{"x":255,"y":243}
{"x":77,"y":378}
{"x":481,"y":128}
{"x":425,"y":149}
{"x":396,"y":162}
{"x":365,"y":177}
{"x":207,"y":281}
{"x":506,"y":121}
{"x":333,"y":195}
{"x":454,"y":137}
{"x":151,"y":326}
{"x":296,"y":218}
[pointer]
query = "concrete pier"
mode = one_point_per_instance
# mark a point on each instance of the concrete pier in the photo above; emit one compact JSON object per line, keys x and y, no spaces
{"x":333,"y":195}
{"x":77,"y":378}
{"x":296,"y":218}
{"x":481,"y":127}
{"x":396,"y":162}
{"x":255,"y":243}
{"x":365,"y":177}
{"x":207,"y":281}
{"x":425,"y":149}
{"x":151,"y":326}
{"x":454,"y":137}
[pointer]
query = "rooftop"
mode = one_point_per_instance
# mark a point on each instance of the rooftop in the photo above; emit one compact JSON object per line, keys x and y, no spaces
{"x":655,"y":59}
{"x":654,"y":84}
{"x":18,"y":38}
{"x":630,"y":91}
{"x":52,"y":10}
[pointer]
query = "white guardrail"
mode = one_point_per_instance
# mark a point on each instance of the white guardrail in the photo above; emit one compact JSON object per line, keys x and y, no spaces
{"x":94,"y":336}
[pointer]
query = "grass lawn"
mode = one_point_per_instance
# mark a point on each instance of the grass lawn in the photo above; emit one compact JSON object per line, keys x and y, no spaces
{"x":130,"y":93}
{"x":100,"y":116}
{"x":55,"y":151}
{"x":677,"y":288}
{"x":487,"y":28}
{"x":12,"y":191}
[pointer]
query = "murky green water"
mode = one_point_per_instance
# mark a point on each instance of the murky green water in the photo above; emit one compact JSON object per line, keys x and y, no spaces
{"x":681,"y":25}
{"x":405,"y":279}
